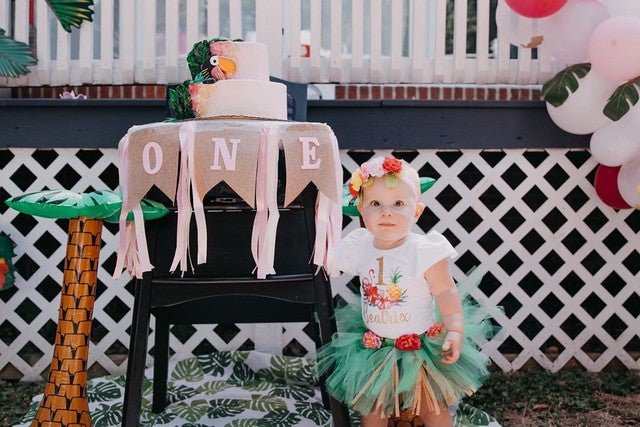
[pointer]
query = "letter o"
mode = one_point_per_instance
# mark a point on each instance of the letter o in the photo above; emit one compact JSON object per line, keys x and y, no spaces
{"x":146,"y":158}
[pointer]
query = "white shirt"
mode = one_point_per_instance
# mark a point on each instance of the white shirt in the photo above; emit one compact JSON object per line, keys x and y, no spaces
{"x":396,"y":299}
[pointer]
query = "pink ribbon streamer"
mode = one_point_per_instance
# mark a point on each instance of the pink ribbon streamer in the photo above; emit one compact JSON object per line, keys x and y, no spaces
{"x":141,"y":240}
{"x":123,"y":243}
{"x":262,"y":215}
{"x":181,"y":256}
{"x":133,"y":253}
{"x":269,"y":243}
{"x":267,"y":214}
{"x":328,"y":222}
{"x":198,"y":206}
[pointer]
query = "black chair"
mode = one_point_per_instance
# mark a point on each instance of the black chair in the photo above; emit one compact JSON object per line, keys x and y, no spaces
{"x":224,"y":290}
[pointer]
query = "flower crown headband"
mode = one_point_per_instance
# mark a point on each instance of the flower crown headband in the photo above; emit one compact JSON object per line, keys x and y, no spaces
{"x":391,"y":169}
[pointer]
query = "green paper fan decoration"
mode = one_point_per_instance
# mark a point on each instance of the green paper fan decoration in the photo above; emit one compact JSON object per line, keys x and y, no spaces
{"x":15,"y":57}
{"x":7,"y":253}
{"x":350,"y":203}
{"x":624,"y":97}
{"x":557,"y":90}
{"x":71,"y":13}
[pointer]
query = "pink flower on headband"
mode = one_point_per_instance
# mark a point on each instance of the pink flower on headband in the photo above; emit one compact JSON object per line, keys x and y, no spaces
{"x":375,"y":168}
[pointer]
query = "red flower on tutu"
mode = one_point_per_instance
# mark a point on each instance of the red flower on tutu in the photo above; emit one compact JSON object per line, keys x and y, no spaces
{"x":371,"y":340}
{"x":434,"y":330}
{"x":409,"y":342}
{"x":392,"y":165}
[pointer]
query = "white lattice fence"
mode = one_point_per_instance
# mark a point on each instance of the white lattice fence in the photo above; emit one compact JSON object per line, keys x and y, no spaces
{"x":564,"y":266}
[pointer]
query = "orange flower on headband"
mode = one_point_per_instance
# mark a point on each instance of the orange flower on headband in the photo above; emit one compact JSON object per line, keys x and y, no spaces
{"x":376,"y":167}
{"x":392,"y":165}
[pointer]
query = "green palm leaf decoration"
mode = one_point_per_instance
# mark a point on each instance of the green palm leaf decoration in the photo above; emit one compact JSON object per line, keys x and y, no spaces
{"x":64,"y":204}
{"x":71,"y":13}
{"x":624,"y":97}
{"x":180,"y":102}
{"x":69,"y":204}
{"x":200,"y":52}
{"x":150,"y":210}
{"x":557,"y":90}
{"x":15,"y":57}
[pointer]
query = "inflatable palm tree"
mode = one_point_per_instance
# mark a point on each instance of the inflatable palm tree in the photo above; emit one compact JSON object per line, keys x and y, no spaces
{"x":65,"y":395}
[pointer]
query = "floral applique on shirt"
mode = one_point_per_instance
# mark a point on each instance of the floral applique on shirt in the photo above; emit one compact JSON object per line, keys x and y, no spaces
{"x":383,"y":295}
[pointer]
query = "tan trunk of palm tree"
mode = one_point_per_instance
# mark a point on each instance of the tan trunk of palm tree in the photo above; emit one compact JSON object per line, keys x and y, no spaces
{"x":65,"y":401}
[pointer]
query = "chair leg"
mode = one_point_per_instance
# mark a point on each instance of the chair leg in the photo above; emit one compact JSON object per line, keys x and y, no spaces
{"x":160,"y":364}
{"x":137,"y":352}
{"x":324,"y":306}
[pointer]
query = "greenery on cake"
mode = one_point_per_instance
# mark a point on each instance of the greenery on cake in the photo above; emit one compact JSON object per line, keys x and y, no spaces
{"x":197,"y":56}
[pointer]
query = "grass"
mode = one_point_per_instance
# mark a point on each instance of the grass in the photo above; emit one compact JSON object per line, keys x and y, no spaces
{"x":569,"y":397}
{"x":15,"y":398}
{"x":528,"y":398}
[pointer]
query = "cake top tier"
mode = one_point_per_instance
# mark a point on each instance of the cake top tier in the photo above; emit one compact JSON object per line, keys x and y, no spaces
{"x":235,"y":60}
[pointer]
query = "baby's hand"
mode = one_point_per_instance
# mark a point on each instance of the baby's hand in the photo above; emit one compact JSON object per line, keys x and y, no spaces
{"x":452,"y":347}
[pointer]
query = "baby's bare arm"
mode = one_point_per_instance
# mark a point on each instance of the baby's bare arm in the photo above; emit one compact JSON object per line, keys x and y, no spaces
{"x":444,"y":290}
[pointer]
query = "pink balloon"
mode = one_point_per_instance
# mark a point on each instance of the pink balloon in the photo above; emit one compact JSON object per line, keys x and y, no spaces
{"x":536,"y":8}
{"x":614,"y":48}
{"x":567,"y":33}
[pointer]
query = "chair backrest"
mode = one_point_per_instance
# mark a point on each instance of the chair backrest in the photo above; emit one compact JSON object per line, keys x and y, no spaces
{"x":229,"y":229}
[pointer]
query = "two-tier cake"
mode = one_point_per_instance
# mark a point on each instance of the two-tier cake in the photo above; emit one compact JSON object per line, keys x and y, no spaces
{"x":236,"y":83}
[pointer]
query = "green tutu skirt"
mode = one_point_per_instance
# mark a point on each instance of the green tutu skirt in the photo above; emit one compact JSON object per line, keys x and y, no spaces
{"x":386,"y":379}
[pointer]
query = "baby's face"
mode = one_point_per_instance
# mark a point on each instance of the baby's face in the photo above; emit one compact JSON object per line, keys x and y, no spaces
{"x":389,"y":213}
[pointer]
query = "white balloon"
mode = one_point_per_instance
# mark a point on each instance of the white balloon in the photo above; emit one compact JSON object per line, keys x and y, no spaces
{"x":581,"y":113}
{"x":618,"y":142}
{"x":516,"y":29}
{"x":629,"y":182}
{"x":623,"y":7}
{"x":567,"y":32}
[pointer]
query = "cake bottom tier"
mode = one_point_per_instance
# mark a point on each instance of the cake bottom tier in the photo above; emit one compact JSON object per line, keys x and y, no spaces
{"x":247,"y":98}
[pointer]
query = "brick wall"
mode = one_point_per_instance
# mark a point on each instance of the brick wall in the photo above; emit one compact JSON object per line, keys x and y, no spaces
{"x":94,"y":91}
{"x":439,"y":92}
{"x":354,"y":91}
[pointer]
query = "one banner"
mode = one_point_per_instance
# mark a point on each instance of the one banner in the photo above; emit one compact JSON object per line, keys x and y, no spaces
{"x":148,"y":156}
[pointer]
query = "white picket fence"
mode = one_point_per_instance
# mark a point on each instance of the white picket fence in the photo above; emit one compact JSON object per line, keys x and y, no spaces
{"x":360,"y":41}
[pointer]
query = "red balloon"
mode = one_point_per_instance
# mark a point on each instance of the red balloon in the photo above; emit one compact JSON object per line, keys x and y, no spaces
{"x":606,"y":184}
{"x":536,"y":8}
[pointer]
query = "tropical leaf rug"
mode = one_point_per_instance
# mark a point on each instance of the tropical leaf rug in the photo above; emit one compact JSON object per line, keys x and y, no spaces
{"x":234,"y":389}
